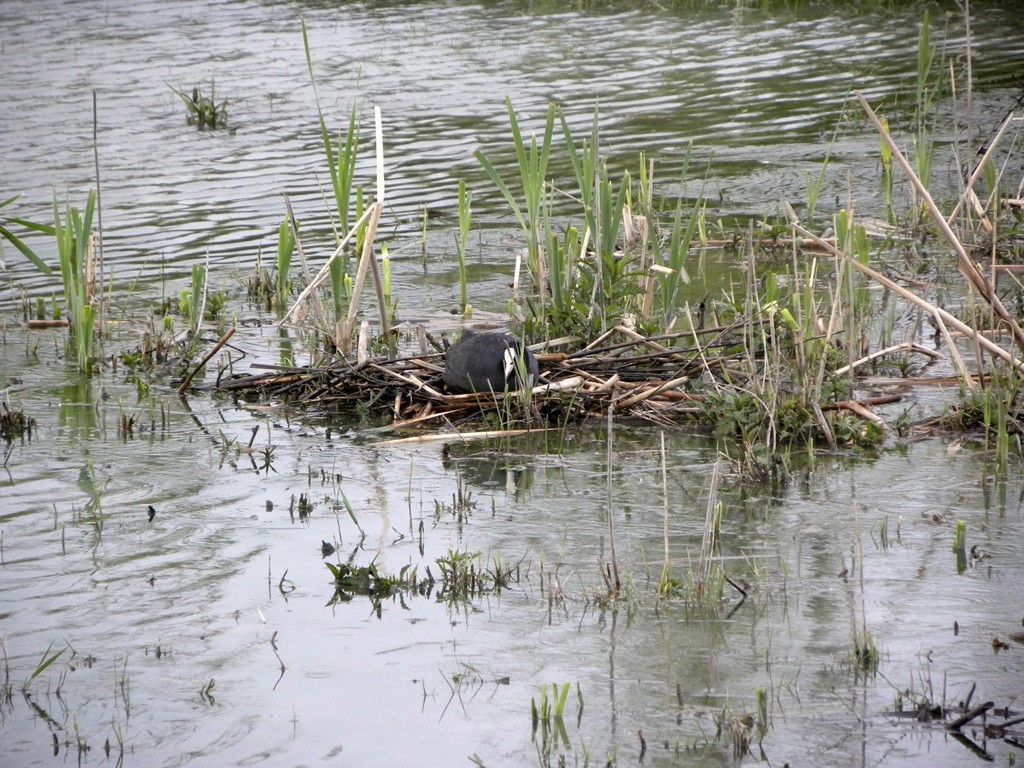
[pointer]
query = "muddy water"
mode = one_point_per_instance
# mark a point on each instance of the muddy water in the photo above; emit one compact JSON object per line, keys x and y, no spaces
{"x":225,"y":584}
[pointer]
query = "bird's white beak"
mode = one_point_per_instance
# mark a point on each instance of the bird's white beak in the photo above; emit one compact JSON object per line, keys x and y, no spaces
{"x":510,"y":361}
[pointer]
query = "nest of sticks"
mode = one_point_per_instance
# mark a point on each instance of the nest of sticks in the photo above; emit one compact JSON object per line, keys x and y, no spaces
{"x":648,"y":378}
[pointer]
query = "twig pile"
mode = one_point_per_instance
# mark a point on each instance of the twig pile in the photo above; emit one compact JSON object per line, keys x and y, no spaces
{"x":640,"y":377}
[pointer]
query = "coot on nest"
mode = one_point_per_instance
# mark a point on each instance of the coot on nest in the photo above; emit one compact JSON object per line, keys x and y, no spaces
{"x":488,"y":362}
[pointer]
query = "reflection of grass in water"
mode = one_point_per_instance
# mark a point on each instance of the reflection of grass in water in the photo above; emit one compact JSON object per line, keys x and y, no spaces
{"x":15,"y":425}
{"x":548,"y":717}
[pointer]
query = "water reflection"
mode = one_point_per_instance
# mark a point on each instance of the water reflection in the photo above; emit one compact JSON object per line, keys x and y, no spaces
{"x":512,"y":474}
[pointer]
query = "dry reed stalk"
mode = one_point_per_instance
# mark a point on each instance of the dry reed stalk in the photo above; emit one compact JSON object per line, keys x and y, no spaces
{"x":427,"y":414}
{"x":859,"y":550}
{"x":321,"y":314}
{"x":700,"y":348}
{"x":865,"y":413}
{"x":941,"y":316}
{"x":907,"y":346}
{"x":43,"y":324}
{"x":872,"y":401}
{"x":967,"y":266}
{"x":596,"y":343}
{"x":640,"y":339}
{"x":632,"y":400}
{"x":980,"y":167}
{"x":378,"y":284}
{"x":325,"y":270}
{"x":464,"y":436}
{"x":823,"y":425}
{"x":363,"y":344}
{"x":609,"y":384}
{"x":216,"y":347}
{"x":664,"y":508}
{"x":408,"y":379}
{"x":345,"y":341}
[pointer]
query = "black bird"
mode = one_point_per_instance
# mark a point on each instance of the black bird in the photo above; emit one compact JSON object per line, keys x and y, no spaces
{"x":488,"y":362}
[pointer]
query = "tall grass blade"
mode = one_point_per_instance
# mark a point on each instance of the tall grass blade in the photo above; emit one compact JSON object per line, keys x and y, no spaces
{"x":533,"y":163}
{"x":18,"y":243}
{"x":465,"y":219}
{"x":47,"y":660}
{"x":285,"y":251}
{"x":73,"y":250}
{"x":341,"y":165}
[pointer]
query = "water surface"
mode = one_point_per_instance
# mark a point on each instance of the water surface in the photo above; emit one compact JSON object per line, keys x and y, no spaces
{"x":226,"y":584}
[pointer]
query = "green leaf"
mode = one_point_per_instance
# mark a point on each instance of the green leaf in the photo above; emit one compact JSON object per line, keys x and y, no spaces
{"x":27,"y":252}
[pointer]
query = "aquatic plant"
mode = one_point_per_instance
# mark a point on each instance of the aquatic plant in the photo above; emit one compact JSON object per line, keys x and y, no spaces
{"x":285,"y":250}
{"x":203,"y":111}
{"x":45,"y":663}
{"x":75,"y":243}
{"x":341,"y":164}
{"x":15,"y":425}
{"x":462,"y":241}
{"x":533,"y":164}
{"x":366,"y":580}
{"x":192,"y":301}
{"x":17,"y":242}
{"x":77,"y":269}
{"x":548,"y":718}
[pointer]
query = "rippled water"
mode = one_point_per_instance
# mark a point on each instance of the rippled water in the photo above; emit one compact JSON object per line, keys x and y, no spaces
{"x":758,"y":95}
{"x":222,"y":586}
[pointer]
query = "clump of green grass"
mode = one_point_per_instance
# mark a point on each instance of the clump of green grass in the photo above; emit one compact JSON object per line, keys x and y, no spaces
{"x":203,"y":111}
{"x":464,"y":576}
{"x":285,"y":251}
{"x":350,"y":580}
{"x":548,"y":718}
{"x":75,"y":252}
{"x":47,"y":660}
{"x":532,"y":166}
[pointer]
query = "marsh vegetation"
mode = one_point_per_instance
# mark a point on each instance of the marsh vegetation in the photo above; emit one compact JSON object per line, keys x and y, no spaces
{"x":767,"y":479}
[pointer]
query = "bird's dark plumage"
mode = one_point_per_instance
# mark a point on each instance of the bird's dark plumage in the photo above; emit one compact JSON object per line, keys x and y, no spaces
{"x":485,"y":362}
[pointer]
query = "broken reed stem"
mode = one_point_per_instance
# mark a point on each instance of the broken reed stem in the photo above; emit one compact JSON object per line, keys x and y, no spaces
{"x":378,"y":284}
{"x":980,"y":167}
{"x":967,"y":266}
{"x":216,"y":347}
{"x":318,"y":306}
{"x":941,"y":316}
{"x":611,"y":527}
{"x":906,"y":346}
{"x":99,"y":211}
{"x":707,"y":543}
{"x":344,"y":339}
{"x":859,"y":549}
{"x":979,"y":710}
{"x":325,"y":271}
